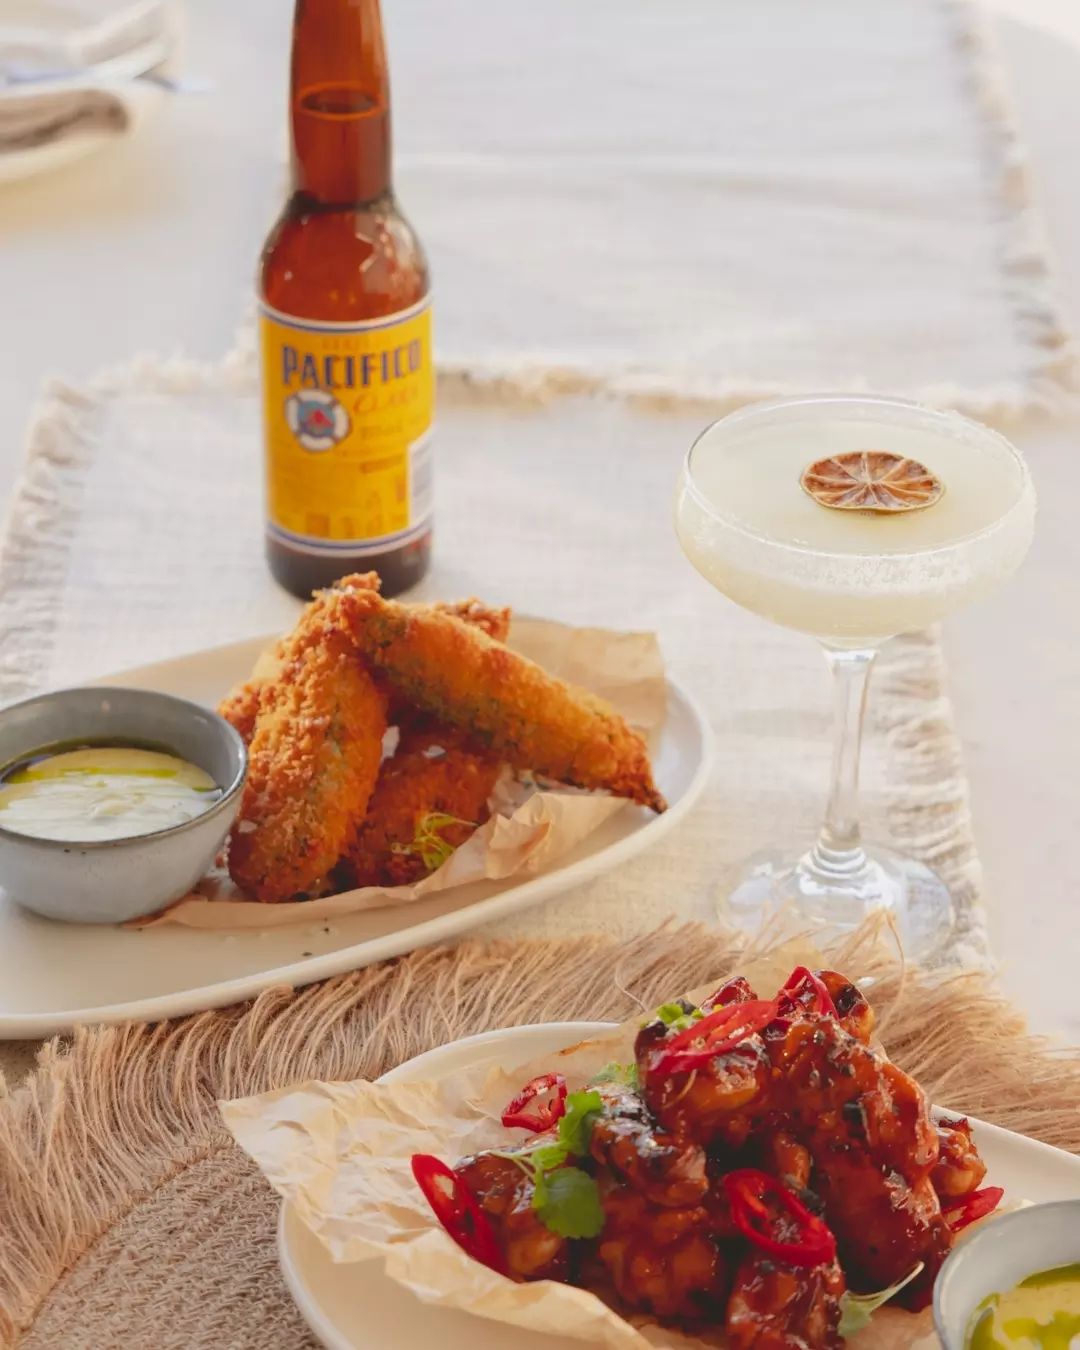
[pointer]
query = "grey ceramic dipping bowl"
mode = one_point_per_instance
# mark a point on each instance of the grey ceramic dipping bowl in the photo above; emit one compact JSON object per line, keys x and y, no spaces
{"x":996,"y":1256}
{"x":108,"y":881}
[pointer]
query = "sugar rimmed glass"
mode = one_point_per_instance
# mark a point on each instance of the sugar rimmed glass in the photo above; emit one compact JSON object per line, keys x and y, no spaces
{"x":852,"y":579}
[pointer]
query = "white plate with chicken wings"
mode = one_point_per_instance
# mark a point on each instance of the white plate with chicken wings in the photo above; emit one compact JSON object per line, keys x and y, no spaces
{"x":357,"y":1307}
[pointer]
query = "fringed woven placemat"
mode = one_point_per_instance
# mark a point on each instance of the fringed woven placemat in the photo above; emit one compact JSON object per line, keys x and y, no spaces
{"x":129,"y":1219}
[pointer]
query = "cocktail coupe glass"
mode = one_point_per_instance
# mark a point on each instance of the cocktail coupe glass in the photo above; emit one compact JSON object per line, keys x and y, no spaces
{"x":758,"y":527}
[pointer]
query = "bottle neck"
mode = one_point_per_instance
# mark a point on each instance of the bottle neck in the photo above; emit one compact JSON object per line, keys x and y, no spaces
{"x":339,"y":102}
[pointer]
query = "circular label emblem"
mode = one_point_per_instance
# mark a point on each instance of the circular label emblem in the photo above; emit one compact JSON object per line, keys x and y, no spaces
{"x":316,"y":419}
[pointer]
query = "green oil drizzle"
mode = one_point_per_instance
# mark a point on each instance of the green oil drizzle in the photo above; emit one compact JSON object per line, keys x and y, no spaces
{"x":1054,"y":1328}
{"x":1059,"y":1275}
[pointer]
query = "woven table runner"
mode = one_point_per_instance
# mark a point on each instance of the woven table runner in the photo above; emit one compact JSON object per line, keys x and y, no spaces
{"x":137,"y":537}
{"x":725,"y":200}
{"x":131,"y":1220}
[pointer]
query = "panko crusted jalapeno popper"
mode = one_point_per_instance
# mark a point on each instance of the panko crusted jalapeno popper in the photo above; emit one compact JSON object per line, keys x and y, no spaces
{"x":331,"y":804}
{"x":759,"y":1168}
{"x":503,"y":701}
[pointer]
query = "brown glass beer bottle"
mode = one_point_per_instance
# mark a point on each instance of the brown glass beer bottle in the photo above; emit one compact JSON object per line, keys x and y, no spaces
{"x":345,"y":326}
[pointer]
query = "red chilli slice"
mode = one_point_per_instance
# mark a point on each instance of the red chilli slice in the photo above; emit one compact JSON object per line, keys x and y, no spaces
{"x":544,"y":1114}
{"x":803,"y":975}
{"x":458,"y":1210}
{"x":735,"y":990}
{"x":750,"y":1193}
{"x":713,"y":1035}
{"x":967,"y":1209}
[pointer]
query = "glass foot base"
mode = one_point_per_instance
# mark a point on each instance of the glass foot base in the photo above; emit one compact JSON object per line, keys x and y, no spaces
{"x":915,"y":896}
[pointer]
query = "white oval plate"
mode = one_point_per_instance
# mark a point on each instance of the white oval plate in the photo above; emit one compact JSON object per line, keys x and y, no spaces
{"x":356,"y":1307}
{"x":54,"y":976}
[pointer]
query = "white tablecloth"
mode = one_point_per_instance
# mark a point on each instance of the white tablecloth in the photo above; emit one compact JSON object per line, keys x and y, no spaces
{"x":127,"y":233}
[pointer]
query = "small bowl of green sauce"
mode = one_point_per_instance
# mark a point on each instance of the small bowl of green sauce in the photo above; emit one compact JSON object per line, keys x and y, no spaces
{"x":1014,"y":1283}
{"x":113,"y":802}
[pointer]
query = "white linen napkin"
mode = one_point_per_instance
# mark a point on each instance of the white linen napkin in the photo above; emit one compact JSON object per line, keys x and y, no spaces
{"x":69,"y":67}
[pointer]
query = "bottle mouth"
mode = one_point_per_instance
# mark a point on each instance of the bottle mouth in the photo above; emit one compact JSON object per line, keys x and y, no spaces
{"x":338,"y":101}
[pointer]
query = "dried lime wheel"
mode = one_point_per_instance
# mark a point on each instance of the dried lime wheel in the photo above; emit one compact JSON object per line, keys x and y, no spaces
{"x":872,"y":480}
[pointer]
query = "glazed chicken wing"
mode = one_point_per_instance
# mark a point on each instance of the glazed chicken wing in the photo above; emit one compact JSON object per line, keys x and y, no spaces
{"x":855,"y":1014}
{"x":661,"y":1260}
{"x":839,"y":1090}
{"x":774,"y":1306}
{"x":783,"y":1156}
{"x":770,"y":1158}
{"x":666,"y":1170}
{"x":719,"y":1102}
{"x":867,"y":1127}
{"x":532,"y":1251}
{"x":883,"y":1225}
{"x":959,"y":1168}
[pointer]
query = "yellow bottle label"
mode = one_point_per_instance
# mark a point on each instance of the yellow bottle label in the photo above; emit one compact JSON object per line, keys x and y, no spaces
{"x":347,"y":413}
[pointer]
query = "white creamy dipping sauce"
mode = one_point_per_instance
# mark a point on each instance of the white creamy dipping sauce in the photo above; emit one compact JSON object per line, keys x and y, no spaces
{"x":102,"y":792}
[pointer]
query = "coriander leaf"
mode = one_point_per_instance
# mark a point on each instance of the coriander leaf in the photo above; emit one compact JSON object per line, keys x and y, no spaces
{"x":521,"y":1159}
{"x":617,"y":1073}
{"x":675,"y":1017}
{"x":576,"y":1124}
{"x":547,"y":1157}
{"x":428,"y":844}
{"x":541,"y":1192}
{"x":856,"y":1309}
{"x":570,"y":1205}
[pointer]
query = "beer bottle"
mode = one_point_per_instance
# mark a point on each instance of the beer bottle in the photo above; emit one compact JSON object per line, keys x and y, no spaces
{"x":347,"y":373}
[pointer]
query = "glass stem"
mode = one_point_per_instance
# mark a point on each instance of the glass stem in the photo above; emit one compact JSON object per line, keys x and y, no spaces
{"x":838,"y":851}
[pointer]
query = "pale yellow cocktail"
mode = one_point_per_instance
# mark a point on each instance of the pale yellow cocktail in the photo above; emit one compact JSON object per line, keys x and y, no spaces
{"x":763,"y":511}
{"x":749,"y":527}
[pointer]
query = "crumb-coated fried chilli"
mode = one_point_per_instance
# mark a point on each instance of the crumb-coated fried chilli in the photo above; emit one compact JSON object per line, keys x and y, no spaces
{"x":240,"y":708}
{"x":778,"y":1307}
{"x":661,"y":1260}
{"x":959,"y":1169}
{"x":241,"y":705}
{"x":423,"y":779}
{"x":494,"y":622}
{"x":506,"y":703}
{"x":312,"y":763}
{"x":666,"y":1170}
{"x":505,"y":1194}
